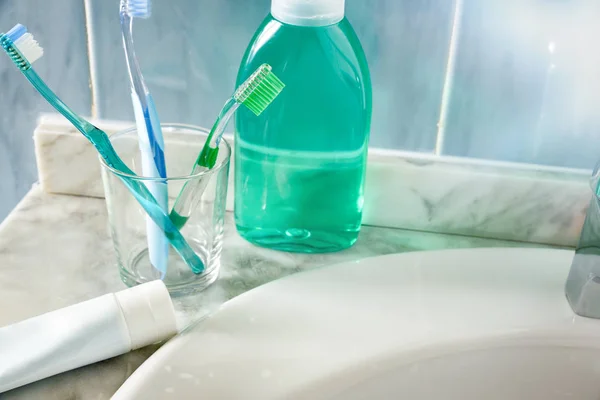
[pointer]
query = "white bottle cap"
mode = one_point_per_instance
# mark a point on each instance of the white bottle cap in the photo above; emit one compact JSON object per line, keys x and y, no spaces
{"x":308,"y":12}
{"x":148,"y":313}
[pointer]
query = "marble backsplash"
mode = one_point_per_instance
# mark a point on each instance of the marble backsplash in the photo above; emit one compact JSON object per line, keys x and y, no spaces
{"x":404,"y":190}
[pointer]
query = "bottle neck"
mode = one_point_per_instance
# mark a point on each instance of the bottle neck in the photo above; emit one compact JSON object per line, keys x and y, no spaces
{"x":305,"y":19}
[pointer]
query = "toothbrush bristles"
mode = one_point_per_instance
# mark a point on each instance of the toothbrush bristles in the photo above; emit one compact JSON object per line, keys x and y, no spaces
{"x":29,"y":47}
{"x":136,"y":8}
{"x":24,"y":49}
{"x":258,"y":91}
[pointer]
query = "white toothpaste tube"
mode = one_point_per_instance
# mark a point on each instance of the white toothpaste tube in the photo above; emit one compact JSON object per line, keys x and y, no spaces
{"x":85,"y":333}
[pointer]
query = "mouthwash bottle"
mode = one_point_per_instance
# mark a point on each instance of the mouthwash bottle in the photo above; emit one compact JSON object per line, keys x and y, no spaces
{"x":300,"y":166}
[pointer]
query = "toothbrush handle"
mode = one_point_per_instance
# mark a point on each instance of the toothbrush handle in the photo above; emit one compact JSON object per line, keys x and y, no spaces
{"x":188,"y":198}
{"x":155,"y":136}
{"x":191,"y":192}
{"x":102,"y":143}
{"x":153,"y":165}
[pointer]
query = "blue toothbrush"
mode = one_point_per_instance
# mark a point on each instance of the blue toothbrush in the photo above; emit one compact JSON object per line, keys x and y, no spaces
{"x":149,"y":132}
{"x":23,"y":50}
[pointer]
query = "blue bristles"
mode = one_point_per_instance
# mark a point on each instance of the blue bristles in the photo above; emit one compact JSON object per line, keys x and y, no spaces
{"x":136,"y":8}
{"x":16,"y":32}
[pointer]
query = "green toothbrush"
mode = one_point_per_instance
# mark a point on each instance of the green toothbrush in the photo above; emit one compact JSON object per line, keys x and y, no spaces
{"x":256,"y":93}
{"x":23,"y":50}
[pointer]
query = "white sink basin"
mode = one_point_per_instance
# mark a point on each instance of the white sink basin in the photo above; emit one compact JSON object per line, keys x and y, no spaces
{"x":457,"y":324}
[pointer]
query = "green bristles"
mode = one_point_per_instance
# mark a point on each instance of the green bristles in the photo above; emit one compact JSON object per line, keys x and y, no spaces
{"x":259,"y":90}
{"x":14,"y":54}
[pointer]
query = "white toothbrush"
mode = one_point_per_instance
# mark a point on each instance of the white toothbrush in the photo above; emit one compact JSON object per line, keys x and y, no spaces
{"x":149,"y":132}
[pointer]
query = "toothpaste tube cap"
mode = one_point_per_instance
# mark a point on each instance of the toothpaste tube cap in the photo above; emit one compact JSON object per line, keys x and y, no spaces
{"x":148,"y":313}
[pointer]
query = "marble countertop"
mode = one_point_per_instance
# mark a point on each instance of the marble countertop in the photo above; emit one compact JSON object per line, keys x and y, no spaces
{"x":55,"y":251}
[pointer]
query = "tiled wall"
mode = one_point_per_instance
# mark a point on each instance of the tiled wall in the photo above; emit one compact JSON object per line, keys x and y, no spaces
{"x":513,"y":80}
{"x":523,"y":83}
{"x":190,"y":51}
{"x":59,"y":26}
{"x":526,"y":84}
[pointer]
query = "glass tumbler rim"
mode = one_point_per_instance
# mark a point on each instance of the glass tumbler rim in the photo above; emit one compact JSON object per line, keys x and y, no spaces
{"x":192,"y":130}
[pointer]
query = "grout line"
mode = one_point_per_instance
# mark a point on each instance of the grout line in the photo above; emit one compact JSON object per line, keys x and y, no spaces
{"x":449,"y":78}
{"x":87,"y":6}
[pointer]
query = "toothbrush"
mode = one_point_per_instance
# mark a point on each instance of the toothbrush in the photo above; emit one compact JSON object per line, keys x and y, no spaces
{"x":149,"y":131}
{"x":256,"y":93}
{"x":22,"y":48}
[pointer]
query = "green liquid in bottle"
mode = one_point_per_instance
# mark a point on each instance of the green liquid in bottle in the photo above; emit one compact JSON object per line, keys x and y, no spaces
{"x":300,"y":166}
